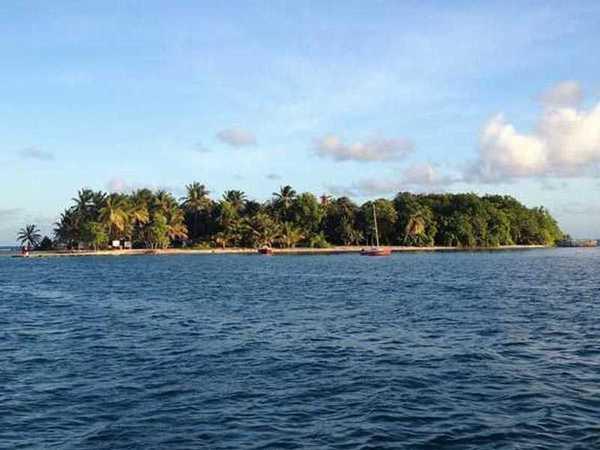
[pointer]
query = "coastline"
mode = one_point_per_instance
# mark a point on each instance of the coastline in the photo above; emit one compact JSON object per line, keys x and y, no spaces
{"x":276,"y":251}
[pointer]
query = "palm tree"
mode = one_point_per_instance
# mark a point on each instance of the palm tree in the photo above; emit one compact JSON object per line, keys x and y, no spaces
{"x":195,"y":201}
{"x":83,"y":202}
{"x":237,"y":199}
{"x":282,"y":202}
{"x":264,"y":231}
{"x":114,"y":215}
{"x":415,"y":226}
{"x":163,"y":201}
{"x":66,"y":230}
{"x":29,"y":236}
{"x":290,"y":235}
{"x":176,"y":229}
{"x":285,"y":196}
{"x":137,"y":215}
{"x":88,"y":204}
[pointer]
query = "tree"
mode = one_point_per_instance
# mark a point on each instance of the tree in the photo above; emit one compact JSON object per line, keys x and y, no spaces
{"x":29,"y":236}
{"x":306,"y":213}
{"x":339,"y":223}
{"x":156,"y":219}
{"x":262,"y":230}
{"x":415,"y":225}
{"x":195,"y":202}
{"x":176,"y":228}
{"x":114,"y":215}
{"x":66,"y":230}
{"x":88,"y":204}
{"x":140,"y":204}
{"x":318,"y":241}
{"x":290,"y":235}
{"x":386,"y":220}
{"x":45,"y":244}
{"x":137,"y":217}
{"x":252,"y":208}
{"x":237,"y":199}
{"x":159,"y":232}
{"x":282,"y":202}
{"x":456,"y":231}
{"x":95,"y":235}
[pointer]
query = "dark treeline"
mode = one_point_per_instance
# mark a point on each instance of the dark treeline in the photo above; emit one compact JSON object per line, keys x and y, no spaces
{"x":158,"y":220}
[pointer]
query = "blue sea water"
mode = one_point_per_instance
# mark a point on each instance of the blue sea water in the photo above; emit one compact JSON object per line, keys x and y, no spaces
{"x":473,"y":350}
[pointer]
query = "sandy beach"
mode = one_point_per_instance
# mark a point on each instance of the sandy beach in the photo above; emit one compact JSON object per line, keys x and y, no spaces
{"x":276,"y":251}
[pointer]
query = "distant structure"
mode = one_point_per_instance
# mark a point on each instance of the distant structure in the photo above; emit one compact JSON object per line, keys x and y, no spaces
{"x":578,"y":243}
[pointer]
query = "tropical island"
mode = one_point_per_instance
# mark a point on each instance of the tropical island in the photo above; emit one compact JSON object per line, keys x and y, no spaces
{"x":146,"y":219}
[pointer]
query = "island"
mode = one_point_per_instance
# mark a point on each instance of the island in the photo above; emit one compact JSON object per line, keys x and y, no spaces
{"x":156,"y":221}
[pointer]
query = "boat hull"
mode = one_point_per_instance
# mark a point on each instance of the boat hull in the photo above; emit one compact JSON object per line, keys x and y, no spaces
{"x":378,"y":251}
{"x":265,"y":251}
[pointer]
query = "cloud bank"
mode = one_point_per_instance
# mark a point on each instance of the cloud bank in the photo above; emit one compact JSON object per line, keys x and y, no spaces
{"x":417,"y":177}
{"x":375,"y":149}
{"x":237,"y":137}
{"x":564,"y":143}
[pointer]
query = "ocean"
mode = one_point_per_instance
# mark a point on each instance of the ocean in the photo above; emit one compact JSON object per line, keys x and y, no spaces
{"x":469,"y":350}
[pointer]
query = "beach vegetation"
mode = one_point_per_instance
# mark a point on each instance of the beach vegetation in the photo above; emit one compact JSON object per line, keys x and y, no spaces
{"x":29,"y":236}
{"x":156,"y":219}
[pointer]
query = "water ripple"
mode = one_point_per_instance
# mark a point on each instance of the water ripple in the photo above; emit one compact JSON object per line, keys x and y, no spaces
{"x":417,"y":351}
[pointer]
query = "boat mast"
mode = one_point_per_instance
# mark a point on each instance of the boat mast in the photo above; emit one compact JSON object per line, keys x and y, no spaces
{"x":375,"y":222}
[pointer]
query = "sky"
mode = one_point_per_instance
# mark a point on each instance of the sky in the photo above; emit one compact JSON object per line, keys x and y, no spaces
{"x":359,"y":98}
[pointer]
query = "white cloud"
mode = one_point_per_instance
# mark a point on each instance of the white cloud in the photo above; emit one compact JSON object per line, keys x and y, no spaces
{"x":237,"y":137}
{"x":425,"y":175}
{"x":417,"y":177}
{"x":36,"y":153}
{"x":374,"y":149}
{"x":566,"y":93}
{"x":564,"y":143}
{"x":118,"y":185}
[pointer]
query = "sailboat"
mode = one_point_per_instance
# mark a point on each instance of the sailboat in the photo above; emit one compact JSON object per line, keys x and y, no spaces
{"x":377,"y":250}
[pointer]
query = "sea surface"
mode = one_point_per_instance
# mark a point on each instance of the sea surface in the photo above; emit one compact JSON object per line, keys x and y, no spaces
{"x":473,"y":350}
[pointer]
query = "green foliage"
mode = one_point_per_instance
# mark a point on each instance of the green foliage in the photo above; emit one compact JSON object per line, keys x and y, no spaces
{"x":262,"y":230}
{"x":290,"y":235}
{"x":45,"y":244}
{"x":158,"y":232}
{"x":94,"y":234}
{"x":306,"y":213}
{"x":386,"y":220}
{"x":156,"y":219}
{"x":318,"y":241}
{"x":339,"y":224}
{"x":29,"y":236}
{"x":282,"y":203}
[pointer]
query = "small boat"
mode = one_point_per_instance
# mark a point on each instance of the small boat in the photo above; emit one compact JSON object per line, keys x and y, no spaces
{"x":377,"y":250}
{"x":265,"y":250}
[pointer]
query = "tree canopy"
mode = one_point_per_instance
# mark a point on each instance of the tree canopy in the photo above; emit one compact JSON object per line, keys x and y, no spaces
{"x":156,"y":219}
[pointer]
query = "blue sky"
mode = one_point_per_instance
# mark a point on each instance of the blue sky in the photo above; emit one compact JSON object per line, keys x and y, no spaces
{"x":360,"y":98}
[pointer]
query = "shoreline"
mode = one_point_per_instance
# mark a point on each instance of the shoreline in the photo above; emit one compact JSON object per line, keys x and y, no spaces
{"x":276,"y":251}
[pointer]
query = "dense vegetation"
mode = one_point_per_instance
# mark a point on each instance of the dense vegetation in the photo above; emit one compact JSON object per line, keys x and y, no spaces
{"x":157,"y":220}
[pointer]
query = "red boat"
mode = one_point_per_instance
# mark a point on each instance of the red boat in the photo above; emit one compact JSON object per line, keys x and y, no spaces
{"x":376,"y":251}
{"x":265,"y":251}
